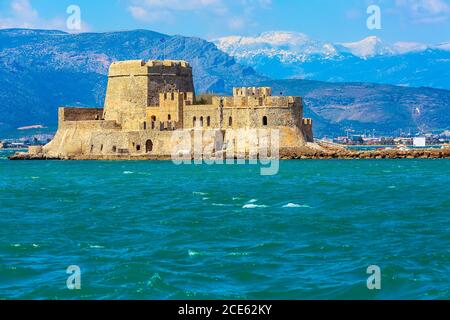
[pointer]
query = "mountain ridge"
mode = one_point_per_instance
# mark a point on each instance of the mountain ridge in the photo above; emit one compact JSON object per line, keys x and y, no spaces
{"x":281,"y":55}
{"x":367,"y":47}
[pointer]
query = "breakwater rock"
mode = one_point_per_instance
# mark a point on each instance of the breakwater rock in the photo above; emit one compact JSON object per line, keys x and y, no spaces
{"x":373,"y":154}
{"x":285,"y":154}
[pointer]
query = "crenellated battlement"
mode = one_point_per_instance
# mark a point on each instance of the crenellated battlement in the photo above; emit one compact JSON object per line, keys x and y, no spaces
{"x":152,"y":67}
{"x":165,"y":97}
{"x":252,"y":91}
{"x":307,"y":121}
{"x":239,"y":101}
{"x":168,"y":63}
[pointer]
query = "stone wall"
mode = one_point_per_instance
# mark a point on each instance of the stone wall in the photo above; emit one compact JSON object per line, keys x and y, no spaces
{"x":307,"y":129}
{"x":79,"y":114}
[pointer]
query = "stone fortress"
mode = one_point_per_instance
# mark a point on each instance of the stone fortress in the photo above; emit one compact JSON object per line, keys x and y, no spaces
{"x":147,"y":101}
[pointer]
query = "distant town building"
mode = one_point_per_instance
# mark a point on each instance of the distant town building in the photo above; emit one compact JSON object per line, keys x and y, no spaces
{"x":420,"y":142}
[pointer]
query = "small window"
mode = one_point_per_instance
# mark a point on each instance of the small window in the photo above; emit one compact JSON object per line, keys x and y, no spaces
{"x":264,"y":121}
{"x":145,"y":125}
{"x":92,"y":148}
{"x":138,"y":147}
{"x":101,"y":148}
{"x":172,"y":96}
{"x":194,"y":120}
{"x":201,"y":121}
{"x":208,"y":121}
{"x":230,"y":121}
{"x":169,"y":117}
{"x":114,"y":149}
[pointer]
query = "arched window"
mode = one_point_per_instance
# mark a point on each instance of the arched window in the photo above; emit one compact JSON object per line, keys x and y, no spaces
{"x":194,"y":121}
{"x":201,"y":121}
{"x":169,"y":117}
{"x":208,"y":121}
{"x":172,"y":96}
{"x":264,"y":121}
{"x":230,"y":121}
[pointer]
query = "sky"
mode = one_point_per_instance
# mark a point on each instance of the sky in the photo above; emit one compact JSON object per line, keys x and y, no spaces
{"x":424,"y":21}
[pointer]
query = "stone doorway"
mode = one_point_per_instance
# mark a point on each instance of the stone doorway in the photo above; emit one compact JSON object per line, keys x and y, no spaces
{"x":149,"y":146}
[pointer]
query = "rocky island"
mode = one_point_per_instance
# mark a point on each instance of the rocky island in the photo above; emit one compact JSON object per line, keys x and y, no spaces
{"x":147,"y":102}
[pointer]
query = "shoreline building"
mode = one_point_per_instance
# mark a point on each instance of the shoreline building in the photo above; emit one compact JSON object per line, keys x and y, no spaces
{"x":147,"y":101}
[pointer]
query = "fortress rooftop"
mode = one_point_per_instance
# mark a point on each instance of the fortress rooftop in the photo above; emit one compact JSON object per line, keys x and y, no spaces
{"x":141,"y":67}
{"x":151,"y":63}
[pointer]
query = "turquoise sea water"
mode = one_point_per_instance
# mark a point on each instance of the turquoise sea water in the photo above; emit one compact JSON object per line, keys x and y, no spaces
{"x":153,"y":230}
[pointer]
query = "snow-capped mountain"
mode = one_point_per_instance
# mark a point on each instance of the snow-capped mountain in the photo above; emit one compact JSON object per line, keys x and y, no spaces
{"x":443,"y":46}
{"x":402,"y":47}
{"x":289,"y":46}
{"x":300,"y":46}
{"x":368,"y":47}
{"x":283,"y":55}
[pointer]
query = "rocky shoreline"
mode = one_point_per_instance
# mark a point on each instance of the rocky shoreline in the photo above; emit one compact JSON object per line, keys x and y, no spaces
{"x":285,"y":154}
{"x":375,"y":154}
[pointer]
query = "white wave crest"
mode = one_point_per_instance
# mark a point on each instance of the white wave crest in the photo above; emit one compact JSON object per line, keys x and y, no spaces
{"x":253,"y":206}
{"x":295,"y":205}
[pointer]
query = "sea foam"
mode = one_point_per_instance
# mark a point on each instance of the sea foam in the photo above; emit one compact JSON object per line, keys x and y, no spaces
{"x":199,"y":193}
{"x":253,"y":206}
{"x":295,"y":205}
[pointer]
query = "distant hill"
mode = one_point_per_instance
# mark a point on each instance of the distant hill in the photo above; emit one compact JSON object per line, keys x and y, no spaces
{"x":336,"y":107}
{"x":42,"y":69}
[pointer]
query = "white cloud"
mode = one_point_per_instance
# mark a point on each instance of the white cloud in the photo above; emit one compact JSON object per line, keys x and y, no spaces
{"x":428,"y":6}
{"x":138,"y":13}
{"x":175,"y":5}
{"x":236,"y":23}
{"x":23,"y":8}
{"x":425,"y":11}
{"x":167,"y":10}
{"x":141,"y":14}
{"x":22,"y":15}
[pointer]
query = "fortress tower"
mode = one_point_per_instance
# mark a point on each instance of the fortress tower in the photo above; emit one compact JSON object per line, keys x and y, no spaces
{"x":135,"y":85}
